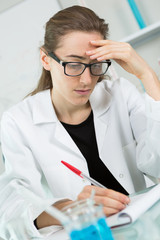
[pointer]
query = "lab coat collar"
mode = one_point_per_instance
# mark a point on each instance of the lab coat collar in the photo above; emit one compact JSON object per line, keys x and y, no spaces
{"x":43,"y":111}
{"x":100,"y":99}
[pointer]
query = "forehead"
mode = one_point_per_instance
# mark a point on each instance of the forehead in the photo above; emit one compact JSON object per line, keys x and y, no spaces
{"x":77,"y":42}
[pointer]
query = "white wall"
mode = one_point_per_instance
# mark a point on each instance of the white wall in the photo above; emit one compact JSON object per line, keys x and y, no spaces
{"x":22,"y":30}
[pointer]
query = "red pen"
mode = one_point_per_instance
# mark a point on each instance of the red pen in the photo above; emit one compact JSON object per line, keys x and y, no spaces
{"x":82,"y":175}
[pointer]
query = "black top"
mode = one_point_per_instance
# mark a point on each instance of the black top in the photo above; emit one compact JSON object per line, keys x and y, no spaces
{"x":83,"y":135}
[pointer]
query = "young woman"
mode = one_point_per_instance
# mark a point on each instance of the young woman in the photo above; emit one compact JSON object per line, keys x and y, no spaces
{"x":106,"y":129}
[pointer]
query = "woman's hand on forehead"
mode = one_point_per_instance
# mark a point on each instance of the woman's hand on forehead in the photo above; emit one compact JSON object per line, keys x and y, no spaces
{"x":122,"y":53}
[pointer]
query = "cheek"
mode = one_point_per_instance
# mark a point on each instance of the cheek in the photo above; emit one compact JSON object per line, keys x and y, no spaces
{"x":57,"y":75}
{"x":62,"y":83}
{"x":95,"y":80}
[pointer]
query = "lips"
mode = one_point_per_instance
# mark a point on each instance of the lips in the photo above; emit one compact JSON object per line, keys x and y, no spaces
{"x":82,"y":91}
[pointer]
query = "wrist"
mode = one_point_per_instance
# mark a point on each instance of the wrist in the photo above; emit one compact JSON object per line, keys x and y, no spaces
{"x":151,"y":84}
{"x":45,"y":220}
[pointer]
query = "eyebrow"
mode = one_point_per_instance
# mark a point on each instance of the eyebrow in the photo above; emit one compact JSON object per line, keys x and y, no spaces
{"x":76,"y":56}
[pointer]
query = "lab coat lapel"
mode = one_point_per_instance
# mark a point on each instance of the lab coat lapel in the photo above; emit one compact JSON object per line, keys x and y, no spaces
{"x":64,"y":138}
{"x":100,"y":102}
{"x":100,"y":131}
{"x":43,"y":112}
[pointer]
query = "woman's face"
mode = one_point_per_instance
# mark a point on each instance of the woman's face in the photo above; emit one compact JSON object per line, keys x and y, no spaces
{"x":68,"y":90}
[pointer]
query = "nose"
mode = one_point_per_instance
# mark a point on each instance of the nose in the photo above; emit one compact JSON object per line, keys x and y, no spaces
{"x":86,"y":77}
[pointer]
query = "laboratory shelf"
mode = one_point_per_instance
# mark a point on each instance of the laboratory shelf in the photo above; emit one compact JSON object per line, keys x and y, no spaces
{"x":143,"y":35}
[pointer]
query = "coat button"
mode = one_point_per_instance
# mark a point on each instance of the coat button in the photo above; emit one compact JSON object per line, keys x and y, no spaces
{"x":121,"y":175}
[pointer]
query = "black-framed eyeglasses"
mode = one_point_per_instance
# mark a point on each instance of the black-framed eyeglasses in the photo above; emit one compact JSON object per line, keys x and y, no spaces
{"x":74,"y":69}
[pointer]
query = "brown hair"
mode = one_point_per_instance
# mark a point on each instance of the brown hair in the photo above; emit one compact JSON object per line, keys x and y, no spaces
{"x":75,"y":18}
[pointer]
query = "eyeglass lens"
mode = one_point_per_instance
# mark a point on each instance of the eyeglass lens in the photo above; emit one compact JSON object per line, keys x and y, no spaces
{"x":96,"y":69}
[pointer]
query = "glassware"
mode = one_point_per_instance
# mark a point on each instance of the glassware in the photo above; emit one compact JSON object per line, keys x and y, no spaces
{"x":86,"y":221}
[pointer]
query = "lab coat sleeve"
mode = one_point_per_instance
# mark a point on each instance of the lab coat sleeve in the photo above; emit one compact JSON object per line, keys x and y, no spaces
{"x":144,"y":113}
{"x":148,"y":150}
{"x":18,"y":209}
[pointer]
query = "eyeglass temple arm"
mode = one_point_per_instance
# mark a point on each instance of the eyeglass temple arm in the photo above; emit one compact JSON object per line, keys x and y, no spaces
{"x":52,"y":55}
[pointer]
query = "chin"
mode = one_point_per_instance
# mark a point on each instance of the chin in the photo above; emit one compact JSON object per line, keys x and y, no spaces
{"x":81,"y":102}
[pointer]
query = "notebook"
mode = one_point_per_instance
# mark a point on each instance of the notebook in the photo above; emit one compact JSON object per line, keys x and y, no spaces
{"x":138,"y":205}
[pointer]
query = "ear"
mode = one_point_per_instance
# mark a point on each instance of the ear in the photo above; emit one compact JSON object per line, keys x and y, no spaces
{"x":45,"y":60}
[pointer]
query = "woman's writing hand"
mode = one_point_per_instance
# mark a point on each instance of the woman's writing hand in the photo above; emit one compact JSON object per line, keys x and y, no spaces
{"x":112,"y":201}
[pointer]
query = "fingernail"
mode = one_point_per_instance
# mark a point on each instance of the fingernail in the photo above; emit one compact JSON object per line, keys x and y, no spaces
{"x":88,"y":51}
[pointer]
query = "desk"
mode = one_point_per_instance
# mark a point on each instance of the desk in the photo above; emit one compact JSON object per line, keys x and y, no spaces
{"x":147,"y":227}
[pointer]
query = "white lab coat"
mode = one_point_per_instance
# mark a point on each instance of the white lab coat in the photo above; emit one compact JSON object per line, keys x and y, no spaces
{"x":34,"y":142}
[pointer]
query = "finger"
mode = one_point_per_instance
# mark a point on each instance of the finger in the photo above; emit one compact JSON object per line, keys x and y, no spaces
{"x":116,"y":45}
{"x":102,"y":42}
{"x":118,"y":196}
{"x":104,"y":192}
{"x":116,"y":52}
{"x":121,"y":54}
{"x":94,"y":51}
{"x":99,"y":54}
{"x":110,"y":202}
{"x":112,"y":194}
{"x":110,"y":207}
{"x":109,"y":43}
{"x":107,"y":202}
{"x":109,"y":211}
